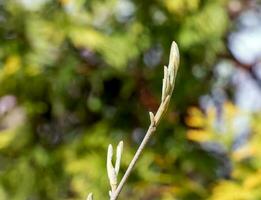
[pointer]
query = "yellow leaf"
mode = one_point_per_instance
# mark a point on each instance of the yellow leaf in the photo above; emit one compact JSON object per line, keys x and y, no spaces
{"x":12,"y":64}
{"x":253,"y":181}
{"x":84,"y":37}
{"x":174,"y":6}
{"x":230,"y":109}
{"x":195,"y":118}
{"x":229,"y":190}
{"x":181,"y":6}
{"x":65,"y":2}
{"x":242,"y":153}
{"x":6,"y":137}
{"x":195,"y":121}
{"x":198,"y":135}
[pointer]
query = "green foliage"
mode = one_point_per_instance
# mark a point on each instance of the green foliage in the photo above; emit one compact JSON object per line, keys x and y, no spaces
{"x":84,"y":74}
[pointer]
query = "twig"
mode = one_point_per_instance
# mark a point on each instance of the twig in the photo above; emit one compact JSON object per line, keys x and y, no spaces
{"x":168,"y":84}
{"x":167,"y":89}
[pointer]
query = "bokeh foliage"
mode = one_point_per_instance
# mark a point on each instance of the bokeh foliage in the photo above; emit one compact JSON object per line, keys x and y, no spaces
{"x":84,"y":73}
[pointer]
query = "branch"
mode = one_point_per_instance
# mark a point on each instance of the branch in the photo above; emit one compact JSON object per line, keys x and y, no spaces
{"x":168,"y":84}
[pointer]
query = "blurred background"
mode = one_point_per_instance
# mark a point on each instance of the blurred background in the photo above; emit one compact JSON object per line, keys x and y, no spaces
{"x":77,"y":75}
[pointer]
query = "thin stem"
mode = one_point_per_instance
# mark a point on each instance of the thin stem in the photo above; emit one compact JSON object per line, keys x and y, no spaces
{"x":133,"y":162}
{"x":170,"y":73}
{"x":152,"y":128}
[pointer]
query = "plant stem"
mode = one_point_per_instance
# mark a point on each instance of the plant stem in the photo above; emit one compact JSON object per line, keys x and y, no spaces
{"x":152,"y":128}
{"x":170,"y":73}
